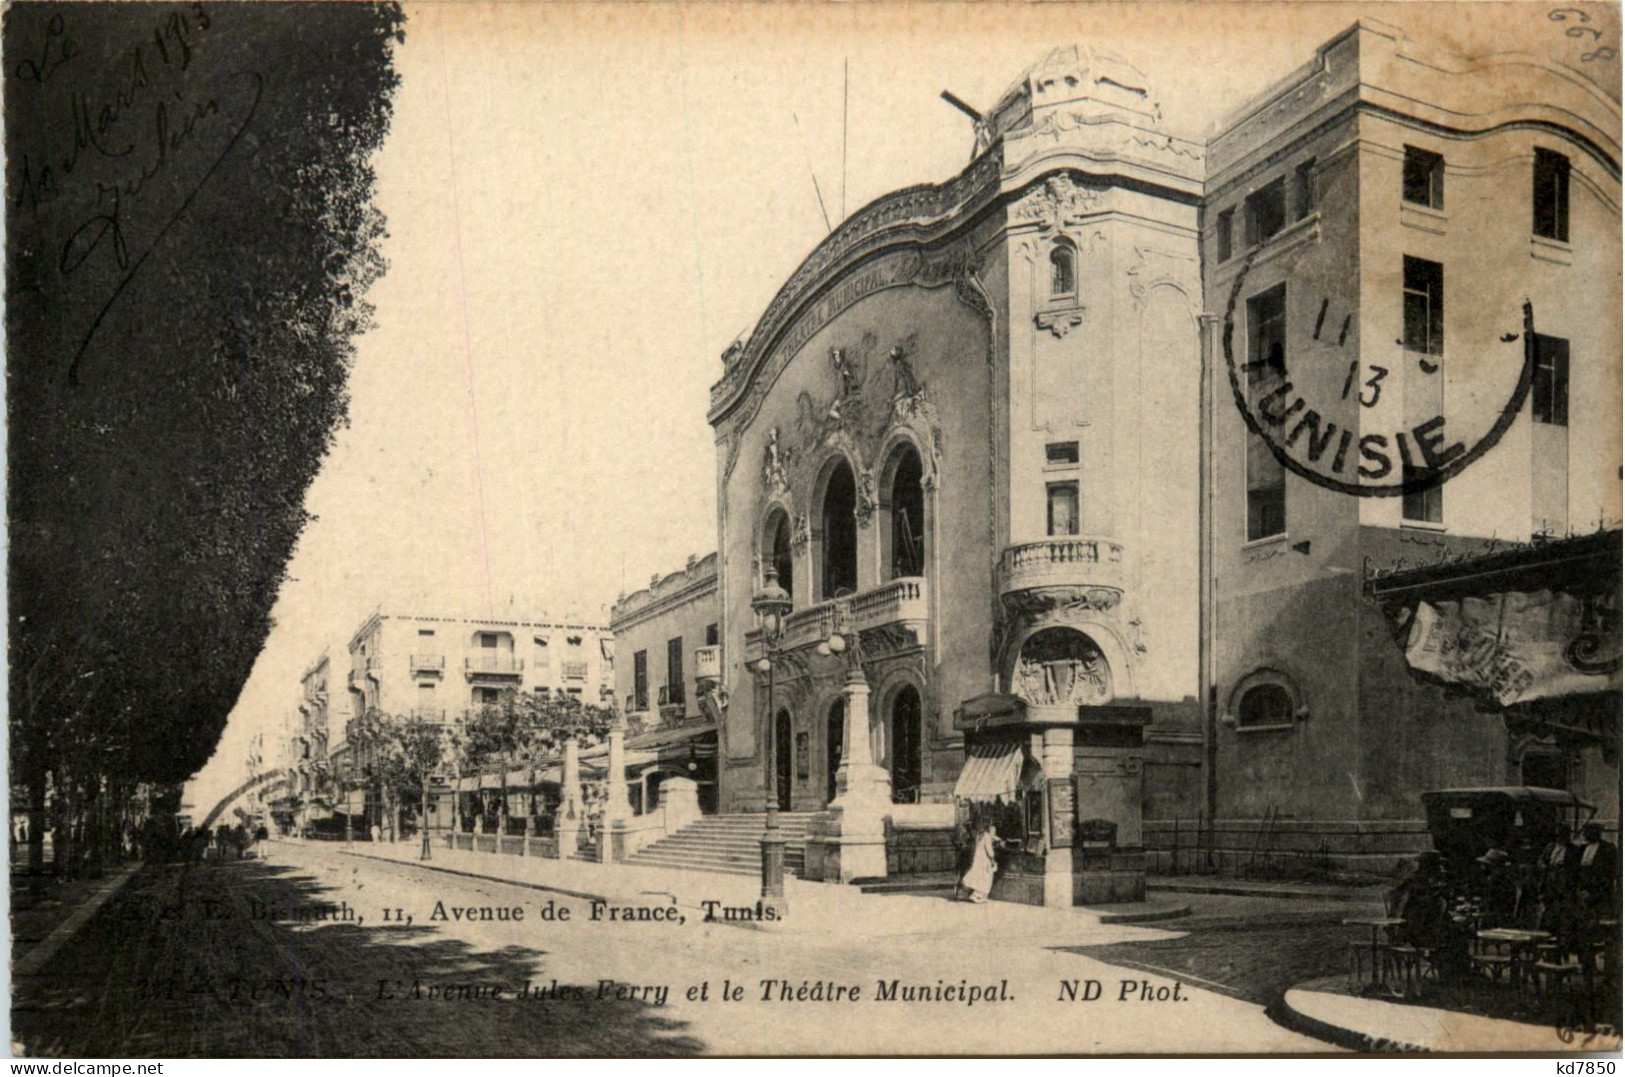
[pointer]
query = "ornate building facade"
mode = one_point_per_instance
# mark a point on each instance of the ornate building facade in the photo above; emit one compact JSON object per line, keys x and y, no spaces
{"x":964,"y":435}
{"x":1021,"y":441}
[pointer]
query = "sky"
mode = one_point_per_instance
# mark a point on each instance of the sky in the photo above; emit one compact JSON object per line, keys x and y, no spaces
{"x":588,"y":203}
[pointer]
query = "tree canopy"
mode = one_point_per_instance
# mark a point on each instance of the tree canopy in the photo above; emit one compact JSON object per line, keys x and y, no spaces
{"x":190,"y":237}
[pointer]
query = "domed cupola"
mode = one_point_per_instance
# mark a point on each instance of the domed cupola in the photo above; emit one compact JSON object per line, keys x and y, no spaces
{"x":1091,"y":85}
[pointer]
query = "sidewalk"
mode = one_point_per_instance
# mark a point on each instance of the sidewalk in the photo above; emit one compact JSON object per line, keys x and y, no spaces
{"x":821,"y":909}
{"x":40,"y":931}
{"x":1326,"y":1010}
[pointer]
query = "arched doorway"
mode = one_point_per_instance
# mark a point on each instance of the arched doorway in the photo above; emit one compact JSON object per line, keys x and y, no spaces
{"x":778,"y":551}
{"x":783,"y":750}
{"x":905,"y":747}
{"x":840,"y":533}
{"x":837,"y":732}
{"x":905,"y":502}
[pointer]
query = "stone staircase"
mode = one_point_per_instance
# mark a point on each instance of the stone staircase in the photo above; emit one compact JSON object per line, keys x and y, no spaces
{"x":727,"y":844}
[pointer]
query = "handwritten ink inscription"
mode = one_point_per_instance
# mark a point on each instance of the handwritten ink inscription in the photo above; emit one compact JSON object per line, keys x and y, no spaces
{"x":1587,"y":35}
{"x":124,"y":136}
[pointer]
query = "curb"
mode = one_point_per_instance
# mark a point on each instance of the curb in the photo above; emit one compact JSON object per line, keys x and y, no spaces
{"x":430,"y":865}
{"x":35,"y":959}
{"x":1351,"y":897}
{"x":1146,"y":916}
{"x":1282,"y":1013}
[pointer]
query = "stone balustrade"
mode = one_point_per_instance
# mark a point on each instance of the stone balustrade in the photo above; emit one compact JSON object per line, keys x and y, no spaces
{"x":903,"y":600}
{"x":1061,"y":562}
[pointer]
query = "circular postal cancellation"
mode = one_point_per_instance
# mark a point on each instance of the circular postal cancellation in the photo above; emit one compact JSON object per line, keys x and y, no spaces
{"x":1358,"y":422}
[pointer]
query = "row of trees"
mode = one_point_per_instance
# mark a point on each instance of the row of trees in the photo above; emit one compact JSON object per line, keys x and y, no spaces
{"x":398,"y":756}
{"x":180,"y":317}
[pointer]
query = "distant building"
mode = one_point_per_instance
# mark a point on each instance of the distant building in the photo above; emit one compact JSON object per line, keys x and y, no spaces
{"x":669,"y":641}
{"x":312,"y":737}
{"x":670,"y":669}
{"x":440,"y":667}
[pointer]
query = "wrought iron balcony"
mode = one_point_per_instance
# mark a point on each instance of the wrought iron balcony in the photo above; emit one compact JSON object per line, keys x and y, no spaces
{"x":494,"y":665}
{"x":428,"y":663}
{"x":573,"y":670}
{"x":1088,"y":563}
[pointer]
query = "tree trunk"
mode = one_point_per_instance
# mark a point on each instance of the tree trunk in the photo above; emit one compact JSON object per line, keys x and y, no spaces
{"x":62,"y":845}
{"x":423,"y":814}
{"x":530,"y":805}
{"x":502,"y":804}
{"x":36,"y":831}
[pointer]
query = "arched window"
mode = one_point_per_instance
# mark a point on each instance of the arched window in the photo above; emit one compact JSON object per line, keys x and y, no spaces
{"x":1265,"y":704}
{"x":1063,"y":270}
{"x":1265,"y":699}
{"x":840,"y":533}
{"x":778,"y":551}
{"x":905,"y":498}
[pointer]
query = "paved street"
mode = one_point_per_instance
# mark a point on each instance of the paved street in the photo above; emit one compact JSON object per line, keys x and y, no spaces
{"x":294,"y":956}
{"x":1249,"y":949}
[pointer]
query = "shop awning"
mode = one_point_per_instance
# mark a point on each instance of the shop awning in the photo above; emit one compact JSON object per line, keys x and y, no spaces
{"x":1518,"y":646}
{"x":991,"y":770}
{"x":1531,"y":632}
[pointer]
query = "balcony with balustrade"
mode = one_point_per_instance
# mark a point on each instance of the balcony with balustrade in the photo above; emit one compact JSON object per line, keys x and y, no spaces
{"x":573,"y":670}
{"x":901,"y":602}
{"x":428,"y":663}
{"x":493,"y":665}
{"x":1094,"y":567}
{"x":708,"y":663}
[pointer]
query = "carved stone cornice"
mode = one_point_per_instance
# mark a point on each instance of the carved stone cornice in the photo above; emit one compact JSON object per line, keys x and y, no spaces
{"x":1059,"y":202}
{"x":1047,"y":605}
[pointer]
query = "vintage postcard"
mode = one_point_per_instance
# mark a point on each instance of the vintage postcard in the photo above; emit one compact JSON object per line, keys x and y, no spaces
{"x":547,"y":529}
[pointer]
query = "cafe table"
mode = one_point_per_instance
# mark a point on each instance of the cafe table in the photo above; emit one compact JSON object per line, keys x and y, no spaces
{"x":1377,"y":924}
{"x":1520,"y":943}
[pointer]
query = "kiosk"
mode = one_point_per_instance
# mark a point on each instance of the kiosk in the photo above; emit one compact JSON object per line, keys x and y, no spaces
{"x":1063,"y":788}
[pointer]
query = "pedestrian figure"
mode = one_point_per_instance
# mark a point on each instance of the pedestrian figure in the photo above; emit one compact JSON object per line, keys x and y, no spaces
{"x":1497,"y":889}
{"x":979,"y":879}
{"x":1598,"y":871}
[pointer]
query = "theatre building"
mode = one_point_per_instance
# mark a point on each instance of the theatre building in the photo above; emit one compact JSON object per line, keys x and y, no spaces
{"x":964,"y":438}
{"x":1080,"y":471}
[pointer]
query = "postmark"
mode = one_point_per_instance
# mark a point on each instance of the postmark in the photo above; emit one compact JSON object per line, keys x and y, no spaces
{"x":1297,"y":421}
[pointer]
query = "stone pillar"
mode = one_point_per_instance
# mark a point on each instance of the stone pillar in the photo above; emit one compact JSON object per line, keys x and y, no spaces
{"x":857,"y":815}
{"x":617,"y":805}
{"x":679,"y":803}
{"x":569,"y":820}
{"x":1056,"y":762}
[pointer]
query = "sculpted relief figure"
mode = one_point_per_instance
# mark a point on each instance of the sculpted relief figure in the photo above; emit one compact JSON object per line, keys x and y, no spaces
{"x":846,"y":376}
{"x":773,"y":469}
{"x":866,"y":495}
{"x":1062,"y":667}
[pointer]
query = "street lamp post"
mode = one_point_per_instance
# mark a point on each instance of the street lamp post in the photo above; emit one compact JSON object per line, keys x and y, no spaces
{"x":771,"y":604}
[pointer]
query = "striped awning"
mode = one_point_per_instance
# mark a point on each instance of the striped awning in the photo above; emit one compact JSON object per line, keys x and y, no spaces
{"x":991,"y":770}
